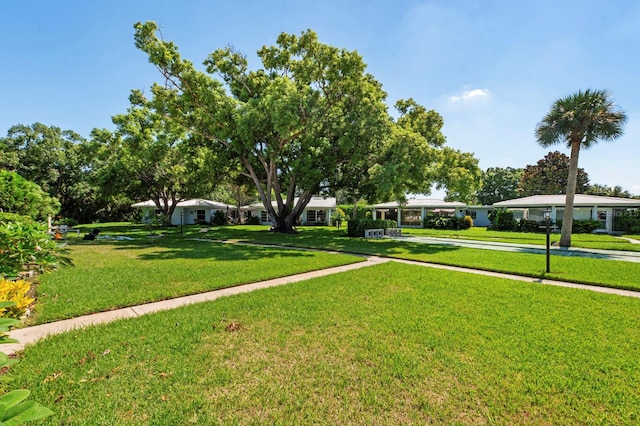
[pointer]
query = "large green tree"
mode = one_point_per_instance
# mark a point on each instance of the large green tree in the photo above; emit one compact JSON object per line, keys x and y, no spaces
{"x":499,"y":184}
{"x":459,"y":174}
{"x":55,"y":160}
{"x":310,"y":121}
{"x":550,"y":176}
{"x":148,"y":157}
{"x":579,"y":120}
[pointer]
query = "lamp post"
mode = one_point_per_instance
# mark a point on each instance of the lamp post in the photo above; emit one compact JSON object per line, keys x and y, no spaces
{"x":180,"y":222}
{"x":547,"y":219}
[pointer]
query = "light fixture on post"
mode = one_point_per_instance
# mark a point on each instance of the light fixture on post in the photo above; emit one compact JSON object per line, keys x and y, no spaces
{"x":547,"y":219}
{"x":180,"y":222}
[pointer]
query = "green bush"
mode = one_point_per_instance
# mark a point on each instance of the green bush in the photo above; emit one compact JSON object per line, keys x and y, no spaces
{"x":362,"y":212}
{"x":21,"y":196}
{"x":502,"y":220}
{"x":356,"y":228}
{"x":25,"y":245}
{"x":433,"y":221}
{"x":627,"y":221}
{"x":338,"y":216}
{"x":585,"y":226}
{"x":219,"y":218}
{"x":525,"y":225}
{"x":252,"y":220}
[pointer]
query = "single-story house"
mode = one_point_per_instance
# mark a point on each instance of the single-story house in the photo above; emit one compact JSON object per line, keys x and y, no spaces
{"x":188,"y":212}
{"x":596,"y":207}
{"x":479,"y":214}
{"x":413,"y":213}
{"x":317,"y":212}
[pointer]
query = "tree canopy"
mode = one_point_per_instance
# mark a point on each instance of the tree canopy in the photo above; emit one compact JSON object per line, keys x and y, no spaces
{"x":499,"y":184}
{"x":310,"y":121}
{"x":550,"y":176}
{"x":149,"y":158}
{"x":54,"y":159}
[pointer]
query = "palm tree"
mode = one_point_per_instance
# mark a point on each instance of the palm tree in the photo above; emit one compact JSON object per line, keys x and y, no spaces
{"x":579,"y":120}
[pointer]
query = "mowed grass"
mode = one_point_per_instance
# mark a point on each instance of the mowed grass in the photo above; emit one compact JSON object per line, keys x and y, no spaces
{"x":603,"y":272}
{"x":593,"y":241}
{"x":390,"y":344}
{"x":112,"y":274}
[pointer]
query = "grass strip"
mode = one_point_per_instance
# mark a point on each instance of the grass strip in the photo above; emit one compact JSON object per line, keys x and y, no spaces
{"x":603,"y":272}
{"x":112,"y":274}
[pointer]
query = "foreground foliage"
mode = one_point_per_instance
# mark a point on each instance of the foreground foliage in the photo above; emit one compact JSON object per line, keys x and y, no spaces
{"x":391,"y":344}
{"x":25,"y":246}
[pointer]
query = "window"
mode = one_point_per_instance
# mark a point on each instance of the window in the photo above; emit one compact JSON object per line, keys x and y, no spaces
{"x":410,"y":217}
{"x":264,"y":216}
{"x":311,"y":216}
{"x":316,"y":216}
{"x":200,"y":216}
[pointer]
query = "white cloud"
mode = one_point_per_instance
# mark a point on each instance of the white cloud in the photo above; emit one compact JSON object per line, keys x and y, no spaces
{"x":470,"y":95}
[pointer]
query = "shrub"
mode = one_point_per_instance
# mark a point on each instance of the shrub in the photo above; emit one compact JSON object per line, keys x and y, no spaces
{"x":502,"y":220}
{"x":627,"y":221}
{"x":356,"y":228}
{"x":252,"y":220}
{"x":16,"y":292}
{"x":526,"y":225}
{"x":584,"y":226}
{"x":219,"y":218}
{"x":26,"y":246}
{"x":362,"y":212}
{"x":337,"y":217}
{"x":468,"y":222}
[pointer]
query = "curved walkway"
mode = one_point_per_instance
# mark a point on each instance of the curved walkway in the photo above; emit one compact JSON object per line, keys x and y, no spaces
{"x":32,"y":334}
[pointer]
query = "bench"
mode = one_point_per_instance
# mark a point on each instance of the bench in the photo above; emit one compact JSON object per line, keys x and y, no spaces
{"x":374,"y":233}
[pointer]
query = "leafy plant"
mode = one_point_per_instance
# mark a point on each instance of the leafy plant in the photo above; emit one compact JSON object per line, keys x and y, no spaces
{"x":627,"y":221}
{"x":26,"y":246}
{"x":526,"y":225}
{"x":219,"y":218}
{"x":16,"y":292}
{"x":252,"y":220}
{"x":584,"y":226}
{"x":502,"y":220}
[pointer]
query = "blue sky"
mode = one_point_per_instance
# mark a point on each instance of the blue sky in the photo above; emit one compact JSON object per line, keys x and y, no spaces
{"x":492,"y":68}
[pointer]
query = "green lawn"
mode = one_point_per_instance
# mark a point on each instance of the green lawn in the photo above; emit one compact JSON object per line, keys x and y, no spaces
{"x":111,"y":274}
{"x":597,"y":241}
{"x":390,"y":344}
{"x":583,"y":270}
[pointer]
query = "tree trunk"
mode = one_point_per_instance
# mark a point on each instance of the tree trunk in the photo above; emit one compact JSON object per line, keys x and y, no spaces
{"x":567,"y":217}
{"x":285,"y":225}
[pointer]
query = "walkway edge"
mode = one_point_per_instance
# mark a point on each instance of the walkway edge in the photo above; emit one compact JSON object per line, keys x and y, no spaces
{"x":32,"y":334}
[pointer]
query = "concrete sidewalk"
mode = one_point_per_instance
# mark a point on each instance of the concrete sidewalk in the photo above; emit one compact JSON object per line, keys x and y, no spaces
{"x":625,"y":256}
{"x":30,"y":335}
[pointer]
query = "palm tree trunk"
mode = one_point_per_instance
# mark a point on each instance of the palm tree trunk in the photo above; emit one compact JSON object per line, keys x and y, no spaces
{"x":567,"y":218}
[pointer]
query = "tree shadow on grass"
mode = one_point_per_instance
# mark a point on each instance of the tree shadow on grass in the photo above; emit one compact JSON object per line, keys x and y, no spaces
{"x":217,"y":243}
